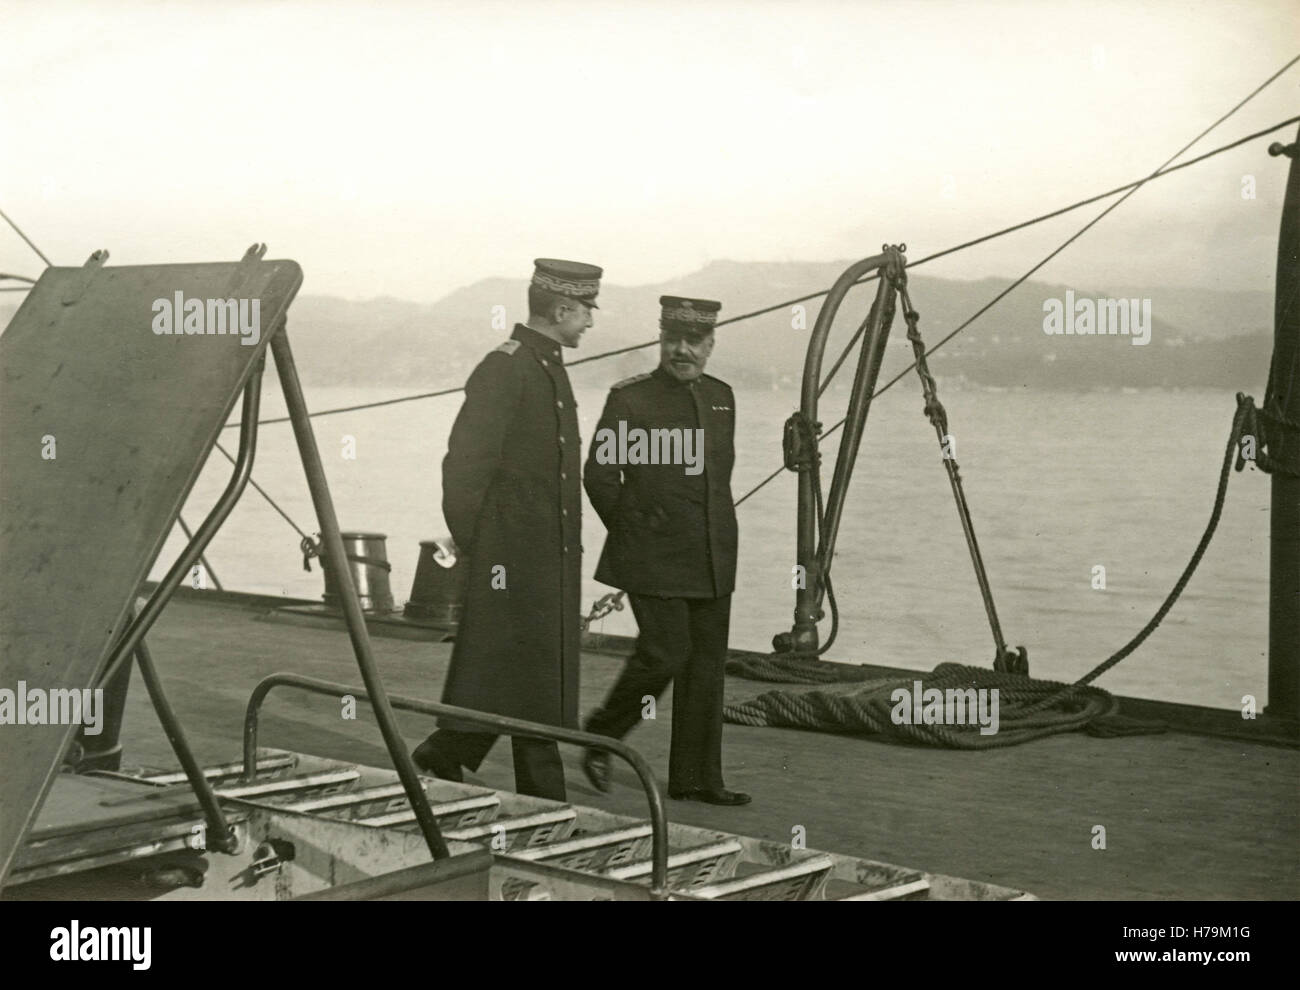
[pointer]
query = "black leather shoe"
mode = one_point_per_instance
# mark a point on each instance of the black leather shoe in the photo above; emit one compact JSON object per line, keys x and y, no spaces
{"x":429,"y":759}
{"x":595,"y":764}
{"x":720,"y":796}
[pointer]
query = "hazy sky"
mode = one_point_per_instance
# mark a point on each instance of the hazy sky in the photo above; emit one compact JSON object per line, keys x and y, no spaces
{"x":407,"y":149}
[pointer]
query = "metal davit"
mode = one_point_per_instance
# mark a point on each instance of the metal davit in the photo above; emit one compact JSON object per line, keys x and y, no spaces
{"x":818,"y":519}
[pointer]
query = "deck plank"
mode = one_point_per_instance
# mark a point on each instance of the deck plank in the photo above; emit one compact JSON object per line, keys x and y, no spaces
{"x":1185,"y":816}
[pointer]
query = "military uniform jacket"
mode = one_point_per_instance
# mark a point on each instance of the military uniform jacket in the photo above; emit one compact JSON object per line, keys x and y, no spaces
{"x":671,"y":533}
{"x":512,"y":499}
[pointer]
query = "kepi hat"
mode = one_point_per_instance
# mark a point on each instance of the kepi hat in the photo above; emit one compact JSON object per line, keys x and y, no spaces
{"x":692,"y":318}
{"x":572,"y":279}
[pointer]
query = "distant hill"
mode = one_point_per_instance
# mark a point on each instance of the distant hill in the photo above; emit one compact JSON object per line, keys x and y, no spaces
{"x":1200,"y":337}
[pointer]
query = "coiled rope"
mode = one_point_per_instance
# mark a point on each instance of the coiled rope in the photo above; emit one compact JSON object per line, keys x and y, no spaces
{"x":1037,"y":708}
{"x":886,"y":707}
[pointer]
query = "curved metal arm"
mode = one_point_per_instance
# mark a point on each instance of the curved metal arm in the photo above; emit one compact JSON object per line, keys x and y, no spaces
{"x":812,"y":365}
{"x":812,"y":557}
{"x":498,"y":723}
{"x":162,"y":594}
{"x":220,"y":836}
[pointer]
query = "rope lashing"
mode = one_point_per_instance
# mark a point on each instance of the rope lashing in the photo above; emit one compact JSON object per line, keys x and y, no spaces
{"x":1277,"y":442}
{"x":799,"y":443}
{"x":310,"y":548}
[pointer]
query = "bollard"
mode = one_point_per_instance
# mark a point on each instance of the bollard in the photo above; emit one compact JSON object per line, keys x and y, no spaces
{"x":368,"y":559}
{"x":439,"y":585}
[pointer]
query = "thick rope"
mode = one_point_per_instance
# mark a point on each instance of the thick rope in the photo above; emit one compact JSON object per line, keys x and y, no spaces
{"x":1039,"y":707}
{"x":878,"y":709}
{"x":1244,"y":415}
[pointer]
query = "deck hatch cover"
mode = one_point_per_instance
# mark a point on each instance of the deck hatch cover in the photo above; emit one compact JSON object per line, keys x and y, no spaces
{"x":133,"y":414}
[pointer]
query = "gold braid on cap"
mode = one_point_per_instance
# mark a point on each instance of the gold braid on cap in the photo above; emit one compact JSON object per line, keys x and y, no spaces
{"x":566,"y":286}
{"x":688,"y":314}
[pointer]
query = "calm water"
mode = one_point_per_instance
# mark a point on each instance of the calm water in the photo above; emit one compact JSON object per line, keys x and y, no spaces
{"x":1057,"y":484}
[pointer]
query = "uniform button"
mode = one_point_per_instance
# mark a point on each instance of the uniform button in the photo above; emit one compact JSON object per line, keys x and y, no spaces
{"x":564,"y":512}
{"x":544,"y":364}
{"x":561,"y":441}
{"x":564,"y":476}
{"x":559,"y":404}
{"x":564,"y":549}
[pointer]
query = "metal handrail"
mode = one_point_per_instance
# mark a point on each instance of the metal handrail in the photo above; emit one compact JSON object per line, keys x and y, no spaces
{"x":331,"y":545}
{"x":184,"y":563}
{"x":220,"y":836}
{"x":499,"y":723}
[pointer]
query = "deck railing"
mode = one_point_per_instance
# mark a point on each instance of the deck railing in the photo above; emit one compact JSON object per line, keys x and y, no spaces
{"x":497,"y":723}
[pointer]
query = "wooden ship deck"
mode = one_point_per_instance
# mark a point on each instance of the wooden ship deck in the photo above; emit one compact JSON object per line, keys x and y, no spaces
{"x":1187,"y":816}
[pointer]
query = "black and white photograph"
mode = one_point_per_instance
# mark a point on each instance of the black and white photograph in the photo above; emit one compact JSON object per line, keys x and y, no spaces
{"x":650,"y":451}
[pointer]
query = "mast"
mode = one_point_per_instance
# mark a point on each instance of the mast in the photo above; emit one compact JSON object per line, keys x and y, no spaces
{"x":1282,"y":397}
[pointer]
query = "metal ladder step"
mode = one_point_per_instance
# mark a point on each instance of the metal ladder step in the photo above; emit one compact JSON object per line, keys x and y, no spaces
{"x":457,"y":813}
{"x":687,"y":868}
{"x":911,"y":888}
{"x":525,"y":832}
{"x":366,"y":801}
{"x":266,"y":765}
{"x":596,"y":851}
{"x":387,"y":804}
{"x":801,"y":880}
{"x":324,"y":781}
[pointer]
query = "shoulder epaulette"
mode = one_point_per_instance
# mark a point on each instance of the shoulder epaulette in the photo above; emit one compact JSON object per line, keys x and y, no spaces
{"x":629,"y":381}
{"x":509,"y":347}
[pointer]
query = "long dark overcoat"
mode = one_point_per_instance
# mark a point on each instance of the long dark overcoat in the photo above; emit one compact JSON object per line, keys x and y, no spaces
{"x":512,"y":499}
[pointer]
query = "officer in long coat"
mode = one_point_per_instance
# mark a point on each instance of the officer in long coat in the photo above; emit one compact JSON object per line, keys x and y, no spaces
{"x":512,"y":501}
{"x":672,"y":545}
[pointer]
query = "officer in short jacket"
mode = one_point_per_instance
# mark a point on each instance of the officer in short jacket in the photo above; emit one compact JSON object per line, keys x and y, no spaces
{"x":665,"y":499}
{"x":513,"y":502}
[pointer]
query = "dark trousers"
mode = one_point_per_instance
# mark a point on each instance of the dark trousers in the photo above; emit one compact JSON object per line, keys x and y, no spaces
{"x":539,"y":771}
{"x":681,"y":640}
